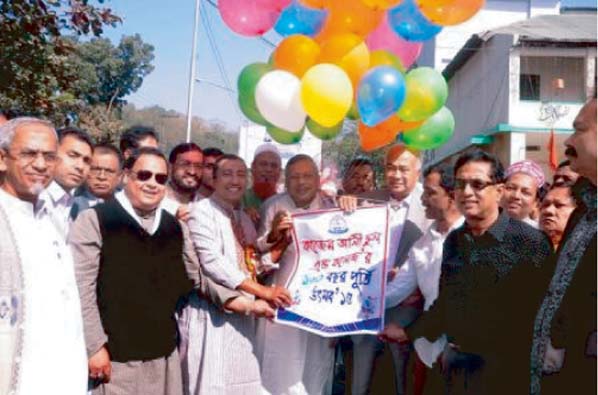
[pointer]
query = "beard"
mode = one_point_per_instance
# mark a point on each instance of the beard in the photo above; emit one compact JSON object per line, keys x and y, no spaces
{"x":263,"y":189}
{"x":182,"y":187}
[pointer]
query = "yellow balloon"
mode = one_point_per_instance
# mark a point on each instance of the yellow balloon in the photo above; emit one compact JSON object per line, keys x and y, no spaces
{"x":381,"y":57}
{"x":326,"y":94}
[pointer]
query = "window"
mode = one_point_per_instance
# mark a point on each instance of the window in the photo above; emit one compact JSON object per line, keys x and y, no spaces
{"x":529,"y":87}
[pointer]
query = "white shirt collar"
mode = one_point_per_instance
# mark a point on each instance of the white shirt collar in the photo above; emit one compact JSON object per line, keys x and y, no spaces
{"x":58,"y":193}
{"x":434,"y":230}
{"x":124,"y":201}
{"x":23,"y":206}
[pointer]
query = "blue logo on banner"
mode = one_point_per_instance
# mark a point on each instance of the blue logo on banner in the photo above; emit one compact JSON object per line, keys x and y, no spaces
{"x":338,"y":225}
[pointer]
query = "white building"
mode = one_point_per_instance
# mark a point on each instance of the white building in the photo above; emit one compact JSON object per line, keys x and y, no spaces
{"x":440,"y":51}
{"x":508,"y":87}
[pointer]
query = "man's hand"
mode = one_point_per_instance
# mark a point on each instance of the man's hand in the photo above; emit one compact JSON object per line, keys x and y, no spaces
{"x":278,"y":296}
{"x":348,"y":203}
{"x":254,"y":214}
{"x":393,"y":333}
{"x":99,"y":365}
{"x":281,"y":224}
{"x":392,"y":273}
{"x":261,"y":308}
{"x":183,"y":213}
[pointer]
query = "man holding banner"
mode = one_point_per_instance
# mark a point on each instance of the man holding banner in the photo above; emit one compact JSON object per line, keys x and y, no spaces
{"x":293,"y":361}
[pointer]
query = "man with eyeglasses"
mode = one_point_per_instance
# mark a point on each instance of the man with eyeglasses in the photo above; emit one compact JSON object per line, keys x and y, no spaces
{"x":487,"y":295}
{"x":75,"y":149}
{"x":186,"y":162}
{"x":128,"y":306}
{"x":41,"y":334}
{"x":104,"y":178}
{"x":147,"y":264}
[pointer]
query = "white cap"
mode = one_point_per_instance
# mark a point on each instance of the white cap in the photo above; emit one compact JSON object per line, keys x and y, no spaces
{"x":266,"y":147}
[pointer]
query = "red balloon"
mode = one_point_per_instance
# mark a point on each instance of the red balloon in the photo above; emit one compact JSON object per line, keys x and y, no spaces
{"x":247,"y":18}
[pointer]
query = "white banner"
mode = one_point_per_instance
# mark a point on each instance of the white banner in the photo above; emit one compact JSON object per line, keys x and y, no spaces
{"x":339,"y":276}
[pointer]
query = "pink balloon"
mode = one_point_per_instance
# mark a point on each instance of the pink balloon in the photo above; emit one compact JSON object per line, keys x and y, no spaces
{"x":385,"y":38}
{"x":277,"y":5}
{"x":247,"y":18}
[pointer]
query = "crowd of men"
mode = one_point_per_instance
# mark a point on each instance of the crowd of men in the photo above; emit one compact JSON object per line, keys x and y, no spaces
{"x":126,"y":271}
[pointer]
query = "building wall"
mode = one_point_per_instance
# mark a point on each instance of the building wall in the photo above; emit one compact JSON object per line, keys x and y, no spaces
{"x":479,"y":93}
{"x":439,"y":52}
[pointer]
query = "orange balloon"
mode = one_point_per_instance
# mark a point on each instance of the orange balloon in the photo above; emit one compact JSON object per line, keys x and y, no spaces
{"x":381,"y":4}
{"x":296,"y":54}
{"x":350,"y":16}
{"x":349,"y":52}
{"x":313,"y":3}
{"x":373,"y":138}
{"x":449,"y":12}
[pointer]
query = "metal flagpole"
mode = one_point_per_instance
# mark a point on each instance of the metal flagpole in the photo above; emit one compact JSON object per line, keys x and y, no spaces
{"x":192,"y":71}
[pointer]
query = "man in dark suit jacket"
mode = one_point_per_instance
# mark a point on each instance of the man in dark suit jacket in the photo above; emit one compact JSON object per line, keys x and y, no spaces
{"x":486,"y":300}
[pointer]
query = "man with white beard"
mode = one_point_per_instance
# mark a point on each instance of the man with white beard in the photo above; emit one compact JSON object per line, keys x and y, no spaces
{"x":41,"y":332}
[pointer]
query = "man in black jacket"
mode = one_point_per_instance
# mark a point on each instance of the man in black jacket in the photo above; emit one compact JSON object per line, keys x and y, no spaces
{"x":566,"y":319}
{"x":483,"y":306}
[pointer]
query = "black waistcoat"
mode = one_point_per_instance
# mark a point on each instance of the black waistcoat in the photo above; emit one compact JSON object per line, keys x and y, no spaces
{"x":140,"y":279}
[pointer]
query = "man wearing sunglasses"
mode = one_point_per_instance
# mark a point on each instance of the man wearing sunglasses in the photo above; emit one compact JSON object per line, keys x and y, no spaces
{"x":487,"y":299}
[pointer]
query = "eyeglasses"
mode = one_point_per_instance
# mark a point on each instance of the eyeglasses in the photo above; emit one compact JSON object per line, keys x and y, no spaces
{"x":96,"y":171}
{"x":476,"y":185}
{"x":145,"y":175}
{"x":29,"y":156}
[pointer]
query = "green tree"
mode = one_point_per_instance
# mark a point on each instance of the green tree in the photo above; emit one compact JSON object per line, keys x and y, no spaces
{"x":107,"y":73}
{"x":33,"y":76}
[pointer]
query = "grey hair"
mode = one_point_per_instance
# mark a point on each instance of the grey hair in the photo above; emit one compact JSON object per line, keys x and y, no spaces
{"x":9,"y":129}
{"x":300,"y":158}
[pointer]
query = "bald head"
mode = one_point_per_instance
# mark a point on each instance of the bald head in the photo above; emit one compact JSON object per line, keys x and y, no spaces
{"x":581,"y":145}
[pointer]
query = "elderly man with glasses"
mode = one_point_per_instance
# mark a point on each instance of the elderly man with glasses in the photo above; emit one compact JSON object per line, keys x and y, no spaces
{"x":41,"y":336}
{"x":486,"y":302}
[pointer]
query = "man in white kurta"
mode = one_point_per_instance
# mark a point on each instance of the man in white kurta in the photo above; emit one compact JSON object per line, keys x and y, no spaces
{"x":42,"y":349}
{"x":292,"y":361}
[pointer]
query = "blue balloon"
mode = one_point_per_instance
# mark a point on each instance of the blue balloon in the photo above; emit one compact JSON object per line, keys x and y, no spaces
{"x":380,"y":94}
{"x":408,"y":22}
{"x":296,"y":19}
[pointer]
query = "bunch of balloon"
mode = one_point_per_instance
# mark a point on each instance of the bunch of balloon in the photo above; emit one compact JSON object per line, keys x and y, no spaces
{"x":347,"y":59}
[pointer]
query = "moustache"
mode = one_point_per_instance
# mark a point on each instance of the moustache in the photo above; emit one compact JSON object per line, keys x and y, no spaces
{"x":570,"y":151}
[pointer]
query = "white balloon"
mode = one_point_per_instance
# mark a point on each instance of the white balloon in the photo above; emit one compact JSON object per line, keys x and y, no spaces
{"x":278,"y":99}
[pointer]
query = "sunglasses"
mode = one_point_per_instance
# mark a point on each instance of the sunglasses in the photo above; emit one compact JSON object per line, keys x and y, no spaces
{"x":145,"y":175}
{"x":476,"y":185}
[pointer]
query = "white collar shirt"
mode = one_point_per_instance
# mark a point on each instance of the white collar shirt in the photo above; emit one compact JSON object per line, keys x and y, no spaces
{"x":421,"y":269}
{"x":53,"y":355}
{"x":60,"y":203}
{"x":398,"y":211}
{"x":124,"y":201}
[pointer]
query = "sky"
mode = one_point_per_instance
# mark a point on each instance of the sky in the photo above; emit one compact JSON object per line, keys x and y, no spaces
{"x":168,"y":25}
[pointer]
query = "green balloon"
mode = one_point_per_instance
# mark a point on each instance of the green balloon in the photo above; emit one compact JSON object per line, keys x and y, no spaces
{"x":426,"y":92}
{"x":322,"y":132}
{"x":246,"y":83}
{"x":434,"y":132}
{"x":353,"y":113}
{"x":282,"y":136}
